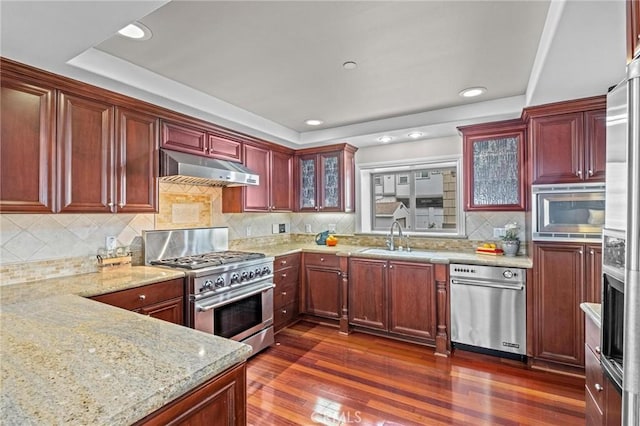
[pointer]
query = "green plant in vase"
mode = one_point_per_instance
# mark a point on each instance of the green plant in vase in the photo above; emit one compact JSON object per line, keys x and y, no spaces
{"x":510,"y":240}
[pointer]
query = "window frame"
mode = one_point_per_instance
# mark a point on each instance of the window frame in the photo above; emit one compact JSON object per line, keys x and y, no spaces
{"x":366,"y":199}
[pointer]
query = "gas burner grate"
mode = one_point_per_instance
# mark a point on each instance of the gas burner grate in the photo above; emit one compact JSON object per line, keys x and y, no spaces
{"x":208,"y":259}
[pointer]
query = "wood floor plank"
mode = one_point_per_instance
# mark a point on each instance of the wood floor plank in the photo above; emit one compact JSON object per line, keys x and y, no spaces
{"x":314,"y":375}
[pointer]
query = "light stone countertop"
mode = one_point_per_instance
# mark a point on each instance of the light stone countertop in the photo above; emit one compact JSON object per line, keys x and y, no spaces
{"x":70,"y":360}
{"x":593,"y":310}
{"x":435,"y":256}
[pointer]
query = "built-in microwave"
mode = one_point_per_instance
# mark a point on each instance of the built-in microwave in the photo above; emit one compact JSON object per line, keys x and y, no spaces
{"x":568,"y":212}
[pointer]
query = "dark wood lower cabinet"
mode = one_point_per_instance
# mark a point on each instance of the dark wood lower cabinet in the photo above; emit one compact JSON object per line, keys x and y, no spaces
{"x":322,"y":285}
{"x":219,"y":401}
{"x":286,"y":277}
{"x":393,"y":296}
{"x":163,"y":300}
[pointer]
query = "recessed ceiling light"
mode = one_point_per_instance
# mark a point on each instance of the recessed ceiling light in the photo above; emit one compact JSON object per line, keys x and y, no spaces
{"x":385,"y":139}
{"x":472,"y":92}
{"x":415,"y":135}
{"x":350,"y":65}
{"x":136,"y":31}
{"x":314,"y":122}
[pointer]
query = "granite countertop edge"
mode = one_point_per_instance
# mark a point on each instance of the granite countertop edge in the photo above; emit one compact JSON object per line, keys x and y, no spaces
{"x":593,"y":311}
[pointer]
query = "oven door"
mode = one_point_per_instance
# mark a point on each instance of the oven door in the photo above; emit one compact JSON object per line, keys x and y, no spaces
{"x":236,"y":314}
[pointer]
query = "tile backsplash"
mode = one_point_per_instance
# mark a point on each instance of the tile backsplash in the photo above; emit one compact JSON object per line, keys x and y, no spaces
{"x":37,"y":246}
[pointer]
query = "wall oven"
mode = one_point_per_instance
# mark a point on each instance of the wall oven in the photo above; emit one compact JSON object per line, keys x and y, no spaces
{"x":613,"y":279}
{"x":568,"y":212}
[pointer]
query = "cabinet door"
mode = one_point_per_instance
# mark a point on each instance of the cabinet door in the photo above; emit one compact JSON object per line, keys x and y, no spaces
{"x":27,"y":147}
{"x":329,"y":190}
{"x":557,"y":293}
{"x":593,"y":273}
{"x":412,"y":303}
{"x":557,"y":148}
{"x":281,"y":181}
{"x":368,"y":293}
{"x":224,"y":149}
{"x":169,"y":310}
{"x":137,"y":162}
{"x":256,"y":198}
{"x":308,"y":180}
{"x":596,"y":145}
{"x":322,"y":291}
{"x":183,"y":138}
{"x":85,"y":155}
{"x":494,"y":169}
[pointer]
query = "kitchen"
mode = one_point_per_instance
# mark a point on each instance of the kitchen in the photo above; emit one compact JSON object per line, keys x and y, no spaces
{"x":40,"y":239}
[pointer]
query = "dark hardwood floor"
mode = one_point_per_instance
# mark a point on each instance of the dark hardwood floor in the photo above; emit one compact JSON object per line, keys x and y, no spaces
{"x":314,"y":375}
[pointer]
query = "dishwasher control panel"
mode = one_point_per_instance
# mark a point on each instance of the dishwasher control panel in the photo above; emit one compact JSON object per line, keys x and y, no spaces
{"x":491,"y":273}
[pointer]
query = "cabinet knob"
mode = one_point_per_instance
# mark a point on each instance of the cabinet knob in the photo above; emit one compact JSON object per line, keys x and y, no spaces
{"x":322,"y":259}
{"x":599,"y":387}
{"x":580,"y":251}
{"x":284,"y":311}
{"x":390,"y":266}
{"x":579,"y":173}
{"x":283,"y":262}
{"x":339,"y":273}
{"x":384,"y":266}
{"x":597,"y":349}
{"x":142,"y":297}
{"x":590,"y":172}
{"x":320,"y":207}
{"x":284,"y":293}
{"x":591,"y":252}
{"x":110,"y":204}
{"x":284,"y":275}
{"x":121,"y":205}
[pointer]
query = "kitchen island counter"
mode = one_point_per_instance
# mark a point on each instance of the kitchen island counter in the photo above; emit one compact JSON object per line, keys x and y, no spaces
{"x":70,"y":360}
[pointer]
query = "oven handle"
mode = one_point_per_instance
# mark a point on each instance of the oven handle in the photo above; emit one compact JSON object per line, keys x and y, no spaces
{"x":486,"y":284}
{"x":216,"y":304}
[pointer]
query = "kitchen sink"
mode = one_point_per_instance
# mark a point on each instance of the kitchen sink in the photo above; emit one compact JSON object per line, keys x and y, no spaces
{"x":397,"y":253}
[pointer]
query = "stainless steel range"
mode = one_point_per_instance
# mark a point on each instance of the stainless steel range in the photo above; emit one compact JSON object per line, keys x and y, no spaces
{"x":230,"y":293}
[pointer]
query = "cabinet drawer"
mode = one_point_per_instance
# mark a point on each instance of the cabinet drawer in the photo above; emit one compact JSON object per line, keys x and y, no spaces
{"x":326,"y":260}
{"x":285,"y":315}
{"x":286,"y":261}
{"x":594,"y":378}
{"x":592,"y":336}
{"x":285,"y":294}
{"x":287,"y":275}
{"x":136,"y":298}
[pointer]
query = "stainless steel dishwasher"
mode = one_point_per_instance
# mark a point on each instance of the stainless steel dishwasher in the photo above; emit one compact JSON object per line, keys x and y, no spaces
{"x":488,"y":309}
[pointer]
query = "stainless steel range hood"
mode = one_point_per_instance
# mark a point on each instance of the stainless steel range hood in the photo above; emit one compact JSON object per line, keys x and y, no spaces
{"x":178,"y":167}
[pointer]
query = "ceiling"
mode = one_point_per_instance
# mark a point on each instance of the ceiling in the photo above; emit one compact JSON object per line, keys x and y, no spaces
{"x":265,"y":67}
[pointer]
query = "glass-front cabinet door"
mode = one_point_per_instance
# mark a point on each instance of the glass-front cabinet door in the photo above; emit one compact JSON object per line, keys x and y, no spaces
{"x":493,"y":155}
{"x":308,"y":183}
{"x":330,"y":189}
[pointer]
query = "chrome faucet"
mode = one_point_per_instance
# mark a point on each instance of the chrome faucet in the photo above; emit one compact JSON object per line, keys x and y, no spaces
{"x":390,"y":242}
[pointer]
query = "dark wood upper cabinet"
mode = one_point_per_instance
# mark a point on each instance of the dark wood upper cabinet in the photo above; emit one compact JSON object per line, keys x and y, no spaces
{"x":85,"y":155}
{"x":567,"y":141}
{"x":275,"y":191}
{"x":200,"y":141}
{"x":633,"y":29}
{"x":494,"y":166}
{"x":136,"y":161}
{"x":326,"y":179}
{"x":27,"y":145}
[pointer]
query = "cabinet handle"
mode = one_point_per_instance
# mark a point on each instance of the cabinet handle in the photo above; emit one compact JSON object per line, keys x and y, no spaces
{"x":579,"y":173}
{"x":590,"y":172}
{"x":597,"y":349}
{"x":599,"y":387}
{"x":142,"y":297}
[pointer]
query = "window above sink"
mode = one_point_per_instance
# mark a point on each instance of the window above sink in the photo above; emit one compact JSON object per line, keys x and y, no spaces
{"x":424,"y":197}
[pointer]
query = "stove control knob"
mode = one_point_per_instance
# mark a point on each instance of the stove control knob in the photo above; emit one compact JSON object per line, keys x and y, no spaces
{"x":266,"y":270}
{"x":258,"y":272}
{"x":251,"y":275}
{"x":208,"y":285}
{"x":219,"y":282}
{"x":244,"y":276}
{"x":235,"y":278}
